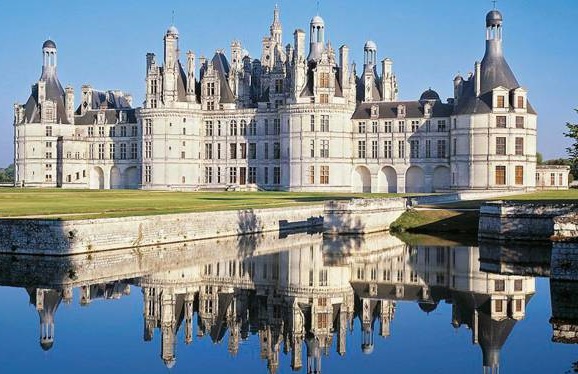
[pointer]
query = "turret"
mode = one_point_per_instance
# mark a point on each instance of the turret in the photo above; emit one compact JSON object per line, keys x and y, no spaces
{"x":316,"y":38}
{"x":276,"y":29}
{"x":191,"y":77}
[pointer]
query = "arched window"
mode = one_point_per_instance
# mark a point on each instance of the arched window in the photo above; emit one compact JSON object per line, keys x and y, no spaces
{"x":243,"y":129}
{"x":233,"y":128}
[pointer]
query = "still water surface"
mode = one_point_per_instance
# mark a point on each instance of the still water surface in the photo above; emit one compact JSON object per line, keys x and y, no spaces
{"x":281,"y":304}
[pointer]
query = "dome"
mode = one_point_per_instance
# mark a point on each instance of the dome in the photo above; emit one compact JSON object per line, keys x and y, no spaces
{"x":49,"y":44}
{"x":317,"y":21}
{"x":46,"y":345}
{"x":493,"y":18}
{"x":429,"y":95}
{"x":172,"y":30}
{"x":370,"y":45}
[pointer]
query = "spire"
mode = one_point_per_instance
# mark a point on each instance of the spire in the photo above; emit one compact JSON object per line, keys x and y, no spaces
{"x":276,"y":29}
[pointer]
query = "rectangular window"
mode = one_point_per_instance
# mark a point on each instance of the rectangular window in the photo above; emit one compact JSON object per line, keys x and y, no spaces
{"x":401,"y":126}
{"x":312,"y":123}
{"x":324,"y":177}
{"x":148,"y":150}
{"x":276,"y":150}
{"x":148,"y":126}
{"x":232,"y":175}
{"x":374,"y":127}
{"x":501,"y":121}
{"x":552,"y":179}
{"x":311,"y":174}
{"x":500,"y":175}
{"x":500,"y":145}
{"x":218,"y":175}
{"x":208,"y":175}
{"x":324,"y":123}
{"x":324,"y":80}
{"x":361,"y":127}
{"x":519,"y":122}
{"x":91,"y":131}
{"x":266,"y":151}
{"x":183,"y":156}
{"x":276,"y":175}
{"x":48,"y":132}
{"x":387,"y":149}
{"x":520,"y":102}
{"x":361,"y":149}
{"x":123,"y":151}
{"x":518,"y":285}
{"x":560,"y":179}
{"x":312,"y":147}
{"x":374,"y":149}
{"x":242,"y":175}
{"x":501,"y":101}
{"x":519,"y":170}
{"x":414,"y":149}
{"x":278,"y":86}
{"x":499,"y":285}
{"x":387,"y":126}
{"x":519,"y":146}
{"x":134,"y":131}
{"x":324,"y":153}
{"x":324,"y":98}
{"x":208,"y":151}
{"x":252,"y":151}
{"x":441,"y":149}
{"x":112,"y":131}
{"x":243,"y":150}
{"x":232,"y":151}
{"x":252,"y":178}
{"x":211,"y":89}
{"x":266,"y":126}
{"x":148,"y":174}
{"x":414,"y":126}
{"x":101,"y":131}
{"x":277,"y":126}
{"x":428,"y":125}
{"x":401,"y":149}
{"x":454,"y":146}
{"x":101,"y":151}
{"x":123,"y":131}
{"x":441,"y":125}
{"x":266,"y":175}
{"x":218,"y":151}
{"x":134,"y":151}
{"x":233,"y":128}
{"x":209,"y":128}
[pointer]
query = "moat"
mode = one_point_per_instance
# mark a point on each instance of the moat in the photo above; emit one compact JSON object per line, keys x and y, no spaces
{"x":283,"y":302}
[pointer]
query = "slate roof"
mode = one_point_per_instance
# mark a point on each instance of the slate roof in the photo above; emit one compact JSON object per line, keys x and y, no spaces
{"x":54,"y":92}
{"x":221,"y":66}
{"x":413,"y":109}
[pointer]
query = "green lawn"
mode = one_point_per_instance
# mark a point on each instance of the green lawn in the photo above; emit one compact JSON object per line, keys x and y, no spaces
{"x":76,"y":204}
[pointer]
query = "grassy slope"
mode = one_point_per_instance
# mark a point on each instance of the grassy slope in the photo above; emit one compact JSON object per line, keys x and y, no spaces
{"x":75,"y":204}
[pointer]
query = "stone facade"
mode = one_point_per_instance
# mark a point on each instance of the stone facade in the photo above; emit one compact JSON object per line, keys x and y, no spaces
{"x":552,"y":177}
{"x":289,"y":121}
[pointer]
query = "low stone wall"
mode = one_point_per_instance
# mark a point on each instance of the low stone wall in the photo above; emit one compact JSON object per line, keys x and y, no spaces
{"x":460,"y":196}
{"x":506,"y":220}
{"x":361,"y":216}
{"x":85,"y":236}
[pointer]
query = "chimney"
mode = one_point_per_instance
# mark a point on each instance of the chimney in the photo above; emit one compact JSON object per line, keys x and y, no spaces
{"x":344,"y":66}
{"x":69,"y":104}
{"x":477,"y":77}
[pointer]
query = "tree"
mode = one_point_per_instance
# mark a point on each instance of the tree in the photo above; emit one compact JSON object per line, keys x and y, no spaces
{"x":539,"y":158}
{"x":7,"y":174}
{"x":572,"y":151}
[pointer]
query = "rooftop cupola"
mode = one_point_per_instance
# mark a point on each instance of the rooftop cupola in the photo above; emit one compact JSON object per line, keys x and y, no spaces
{"x":316,"y":38}
{"x":48,"y":57}
{"x":370,"y":53}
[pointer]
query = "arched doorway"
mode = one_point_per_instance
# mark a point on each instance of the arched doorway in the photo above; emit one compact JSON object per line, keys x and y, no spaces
{"x":131,"y":178}
{"x":115,"y":179}
{"x":361,"y":179}
{"x":387,"y":180}
{"x":96,"y":178}
{"x":441,"y":178}
{"x":414,"y":180}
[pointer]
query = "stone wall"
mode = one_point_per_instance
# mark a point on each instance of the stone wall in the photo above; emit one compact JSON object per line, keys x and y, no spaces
{"x":361,"y":216}
{"x":506,"y":220}
{"x":56,"y":237}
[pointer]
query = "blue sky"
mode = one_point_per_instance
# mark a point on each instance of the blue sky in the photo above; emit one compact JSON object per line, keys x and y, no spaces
{"x":104,"y":44}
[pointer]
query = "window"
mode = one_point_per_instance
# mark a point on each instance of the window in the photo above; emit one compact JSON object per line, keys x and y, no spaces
{"x":520,"y":102}
{"x":48,"y":178}
{"x":134,"y":131}
{"x":279,"y":86}
{"x":233,"y":128}
{"x":560,"y":179}
{"x":441,"y":149}
{"x":266,"y":175}
{"x":414,"y":149}
{"x":48,"y":144}
{"x":91,"y":131}
{"x":209,"y":128}
{"x":148,"y":126}
{"x":232,"y":175}
{"x":208,"y":174}
{"x":361,"y":149}
{"x":324,"y":80}
{"x":218,"y":151}
{"x":277,"y":126}
{"x":48,"y":155}
{"x":324,"y":153}
{"x":499,"y":285}
{"x":48,"y":132}
{"x":387,"y":126}
{"x":266,"y":126}
{"x":519,"y":170}
{"x":361,"y":127}
{"x":500,"y":145}
{"x":210,"y":105}
{"x":100,"y":130}
{"x":112,"y":151}
{"x":441,"y":125}
{"x":324,"y":98}
{"x":252,"y":174}
{"x":518,"y":305}
{"x":519,"y":146}
{"x":183,"y":156}
{"x":428,"y":125}
{"x":277,"y":175}
{"x":324,"y":177}
{"x":123,"y":151}
{"x":500,"y":101}
{"x":252,"y":127}
{"x":233,"y":151}
{"x":518,"y":285}
{"x":242,"y":175}
{"x":276,"y":150}
{"x":218,"y":175}
{"x":312,"y":147}
{"x":123,"y":131}
{"x":454,"y":146}
{"x":500,"y":175}
{"x":323,"y":278}
{"x":252,"y":151}
{"x":552,"y":179}
{"x":311,"y":174}
{"x":324,"y":123}
{"x":501,"y":121}
{"x":387,"y":149}
{"x":101,"y":151}
{"x":208,"y":151}
{"x":210,"y":88}
{"x":401,"y":126}
{"x":243,"y":150}
{"x":148,"y":150}
{"x":414,"y":126}
{"x":312,"y":123}
{"x":374,"y":149}
{"x":266,"y":151}
{"x":519,"y":122}
{"x":134,"y":151}
{"x":401,"y":149}
{"x":374,"y":127}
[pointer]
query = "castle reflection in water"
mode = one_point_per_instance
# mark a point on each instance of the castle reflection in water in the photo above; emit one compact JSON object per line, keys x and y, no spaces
{"x":297,"y":293}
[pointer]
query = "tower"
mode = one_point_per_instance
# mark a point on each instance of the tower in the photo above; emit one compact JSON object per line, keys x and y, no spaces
{"x":276,"y":29}
{"x":371,"y":91}
{"x":316,"y":38}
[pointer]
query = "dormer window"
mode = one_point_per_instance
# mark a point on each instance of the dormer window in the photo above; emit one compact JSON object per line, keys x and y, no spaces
{"x":122,"y":116}
{"x":401,"y":110}
{"x":211,"y":89}
{"x":500,"y":101}
{"x":101,"y":117}
{"x":520,"y":102}
{"x":374,"y":111}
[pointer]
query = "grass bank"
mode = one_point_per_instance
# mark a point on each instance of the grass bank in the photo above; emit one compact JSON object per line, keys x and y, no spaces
{"x":77,"y":204}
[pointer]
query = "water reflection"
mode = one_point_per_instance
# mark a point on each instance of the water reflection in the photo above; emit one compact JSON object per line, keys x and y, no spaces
{"x":299,"y":294}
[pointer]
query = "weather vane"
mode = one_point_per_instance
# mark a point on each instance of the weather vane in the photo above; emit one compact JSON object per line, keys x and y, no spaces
{"x":173,"y":17}
{"x":317,"y":7}
{"x":494,"y":1}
